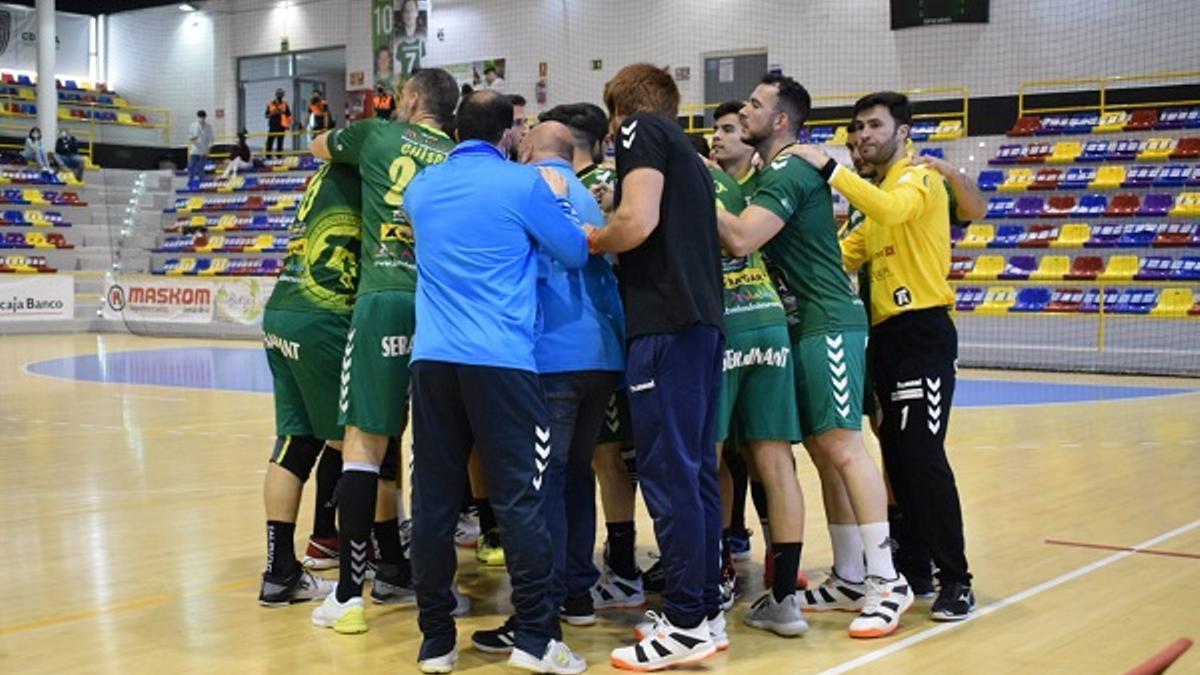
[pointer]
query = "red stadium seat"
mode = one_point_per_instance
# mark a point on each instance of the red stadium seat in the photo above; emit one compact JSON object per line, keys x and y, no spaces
{"x":1142,"y":120}
{"x":1026,"y":126}
{"x":1085,"y":267}
{"x":1123,"y":205}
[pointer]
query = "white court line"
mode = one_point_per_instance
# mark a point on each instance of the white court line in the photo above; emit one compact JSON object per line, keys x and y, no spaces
{"x":871,"y":657}
{"x":172,"y":399}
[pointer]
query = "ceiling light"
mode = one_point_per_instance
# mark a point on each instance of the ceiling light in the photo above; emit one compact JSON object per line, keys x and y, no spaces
{"x":187,"y":7}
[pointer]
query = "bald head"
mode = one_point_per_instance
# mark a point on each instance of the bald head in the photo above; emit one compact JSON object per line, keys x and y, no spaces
{"x":548,"y":140}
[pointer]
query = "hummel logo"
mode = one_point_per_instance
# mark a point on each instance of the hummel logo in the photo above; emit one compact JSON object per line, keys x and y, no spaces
{"x":630,"y":134}
{"x":543,"y":435}
{"x":645,"y":386}
{"x":779,"y":164}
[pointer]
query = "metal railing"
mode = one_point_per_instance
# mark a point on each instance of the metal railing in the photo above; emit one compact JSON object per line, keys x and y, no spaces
{"x":1103,"y":88}
{"x":158,"y":119}
{"x":86,"y":150}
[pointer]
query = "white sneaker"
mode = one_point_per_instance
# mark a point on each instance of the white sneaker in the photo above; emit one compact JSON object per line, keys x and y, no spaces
{"x":716,"y":630}
{"x":834,"y":594}
{"x":462,"y":605}
{"x":613,"y":592}
{"x":347,"y":618}
{"x":782,"y":618}
{"x":439,"y":664}
{"x":558,"y":659}
{"x":466,"y":534}
{"x":885,"y":601}
{"x":301,"y":587}
{"x":665,"y":645}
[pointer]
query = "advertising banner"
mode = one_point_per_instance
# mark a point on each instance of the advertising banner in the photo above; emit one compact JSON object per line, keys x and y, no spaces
{"x":163,"y":301}
{"x":37,"y":298}
{"x":18,"y":41}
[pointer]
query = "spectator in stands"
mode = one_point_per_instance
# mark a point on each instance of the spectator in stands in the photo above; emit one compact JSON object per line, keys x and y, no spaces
{"x":319,"y":118}
{"x":383,"y":103}
{"x":493,"y":79}
{"x":279,"y":120}
{"x":240,"y":158}
{"x":200,"y":140}
{"x":66,"y":152}
{"x":34,"y":150}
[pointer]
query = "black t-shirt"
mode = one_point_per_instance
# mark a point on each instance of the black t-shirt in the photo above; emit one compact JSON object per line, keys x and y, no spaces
{"x":672,"y":281}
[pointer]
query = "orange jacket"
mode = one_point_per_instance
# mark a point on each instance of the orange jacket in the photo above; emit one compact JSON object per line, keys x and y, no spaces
{"x":283,"y":111}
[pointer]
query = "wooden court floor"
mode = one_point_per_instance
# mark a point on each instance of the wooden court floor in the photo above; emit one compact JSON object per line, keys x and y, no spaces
{"x":132,"y":533}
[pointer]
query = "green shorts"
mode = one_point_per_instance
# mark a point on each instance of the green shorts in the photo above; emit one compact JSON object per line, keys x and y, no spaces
{"x":758,"y":395}
{"x":375,"y":376}
{"x":829,"y":381}
{"x":618,"y":425}
{"x":304,"y":350}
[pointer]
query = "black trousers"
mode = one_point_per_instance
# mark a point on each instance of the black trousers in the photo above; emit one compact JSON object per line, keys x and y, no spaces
{"x":913,"y":358}
{"x":275,"y":137}
{"x":501,"y":413}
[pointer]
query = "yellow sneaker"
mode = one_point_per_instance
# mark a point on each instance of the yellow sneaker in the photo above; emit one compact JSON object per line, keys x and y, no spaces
{"x":348,"y":617}
{"x":490,"y":551}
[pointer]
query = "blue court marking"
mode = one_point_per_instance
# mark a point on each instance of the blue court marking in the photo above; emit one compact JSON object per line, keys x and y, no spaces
{"x":245,"y":370}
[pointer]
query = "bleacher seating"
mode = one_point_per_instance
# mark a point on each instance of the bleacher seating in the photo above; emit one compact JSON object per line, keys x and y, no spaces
{"x":19,"y":264}
{"x":1031,"y":300}
{"x":1064,"y":300}
{"x":227,"y":267}
{"x":968,"y":298}
{"x":998,"y":300}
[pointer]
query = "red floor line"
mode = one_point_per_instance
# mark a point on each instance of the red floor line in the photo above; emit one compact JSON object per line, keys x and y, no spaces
{"x":1163,"y":660}
{"x":1109,"y":547}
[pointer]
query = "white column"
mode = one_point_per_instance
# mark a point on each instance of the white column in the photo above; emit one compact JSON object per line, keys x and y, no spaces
{"x":47,"y":94}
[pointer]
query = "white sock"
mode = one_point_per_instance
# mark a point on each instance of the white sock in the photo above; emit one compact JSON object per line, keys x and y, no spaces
{"x":848,"y":552}
{"x":877,"y":549}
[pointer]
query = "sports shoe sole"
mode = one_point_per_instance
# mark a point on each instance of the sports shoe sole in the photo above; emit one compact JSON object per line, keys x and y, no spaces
{"x":351,"y":623}
{"x":319,"y":563}
{"x":694,"y":658}
{"x":882,"y":632}
{"x":588,"y":620}
{"x":940,"y":616}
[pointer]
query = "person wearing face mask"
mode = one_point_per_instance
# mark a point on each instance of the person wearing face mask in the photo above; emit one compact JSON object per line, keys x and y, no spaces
{"x":319,"y":118}
{"x":279,"y":120}
{"x":383,"y":103}
{"x":34,"y":150}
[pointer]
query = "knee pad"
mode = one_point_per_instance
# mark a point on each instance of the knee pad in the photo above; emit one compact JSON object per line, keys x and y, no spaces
{"x":297,"y":454}
{"x":391,"y":461}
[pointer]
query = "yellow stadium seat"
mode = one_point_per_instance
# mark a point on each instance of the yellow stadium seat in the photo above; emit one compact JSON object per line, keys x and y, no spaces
{"x":36,"y":217}
{"x":1174,"y":302}
{"x":998,"y":300}
{"x":27,"y":94}
{"x":227,"y":222}
{"x":218,"y":266}
{"x":292,"y":161}
{"x":120,"y":102}
{"x":5,"y":180}
{"x":283,"y":204}
{"x":64,"y":114}
{"x":198,"y":221}
{"x":1187,"y":204}
{"x":1108,"y":178}
{"x":1120,"y":268}
{"x":977,"y":236}
{"x":1156,"y":149}
{"x":839,"y":137}
{"x":1017,"y":180}
{"x":986,"y":267}
{"x":261,"y":242}
{"x":1111,"y":122}
{"x":1065,"y":152}
{"x":1052,"y":267}
{"x":186,"y":265}
{"x":947,"y":130}
{"x":20,"y":265}
{"x":194,"y":204}
{"x":37,"y":240}
{"x":33,"y":196}
{"x":1072,"y":235}
{"x":124,"y":118}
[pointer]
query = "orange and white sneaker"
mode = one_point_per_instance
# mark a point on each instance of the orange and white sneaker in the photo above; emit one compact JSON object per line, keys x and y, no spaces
{"x":665,"y":645}
{"x":834,"y":594}
{"x":321,"y":554}
{"x":883,"y":604}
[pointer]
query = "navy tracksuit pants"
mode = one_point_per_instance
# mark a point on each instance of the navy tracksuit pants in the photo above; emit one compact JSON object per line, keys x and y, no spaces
{"x":674,"y":381}
{"x":501,"y":413}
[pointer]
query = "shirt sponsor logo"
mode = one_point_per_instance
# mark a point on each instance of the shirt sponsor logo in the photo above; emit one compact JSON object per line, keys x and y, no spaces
{"x":756,"y":356}
{"x":644,"y":386}
{"x":902,"y":297}
{"x":395,"y":345}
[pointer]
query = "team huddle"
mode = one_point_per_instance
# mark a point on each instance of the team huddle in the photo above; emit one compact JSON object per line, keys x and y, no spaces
{"x":557,"y":323}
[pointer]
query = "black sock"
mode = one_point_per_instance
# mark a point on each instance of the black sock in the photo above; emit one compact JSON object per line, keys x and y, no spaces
{"x":787,"y":563}
{"x":356,"y":512}
{"x":487,"y":517}
{"x":393,"y":566}
{"x":622,"y":539}
{"x":737,"y":469}
{"x":467,"y":501}
{"x":329,"y":470}
{"x":281,"y":554}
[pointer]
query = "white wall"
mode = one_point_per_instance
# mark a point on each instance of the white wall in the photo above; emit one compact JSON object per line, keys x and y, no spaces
{"x":832,"y":46}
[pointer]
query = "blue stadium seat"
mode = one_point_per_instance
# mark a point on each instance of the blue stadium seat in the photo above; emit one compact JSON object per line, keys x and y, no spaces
{"x":1082,"y":123}
{"x":1000,"y":207}
{"x":1091,"y":205}
{"x":1125,"y":150}
{"x":1136,"y":301}
{"x":1028,"y":207}
{"x":1138,"y":235}
{"x":1186,"y":268}
{"x":1076,"y":178}
{"x":933,"y":152}
{"x":1007,"y":154}
{"x":990,"y":179}
{"x":1172,"y":175}
{"x":1018,"y":268}
{"x":1091,"y":300}
{"x":1007,"y":236}
{"x":1154,"y":267}
{"x":968,"y":298}
{"x":1094,"y":151}
{"x":1031,"y":300}
{"x":1141,"y":175}
{"x":1053,"y":124}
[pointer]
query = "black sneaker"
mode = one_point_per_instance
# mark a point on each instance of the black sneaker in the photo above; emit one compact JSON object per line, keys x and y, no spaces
{"x":498,"y":640}
{"x":922,"y":588}
{"x":577,"y":610}
{"x":393,"y":585}
{"x":955,"y":602}
{"x":654,"y":579}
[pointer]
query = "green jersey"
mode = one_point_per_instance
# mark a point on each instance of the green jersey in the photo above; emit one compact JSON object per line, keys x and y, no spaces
{"x":749,"y":185}
{"x":320,"y":272}
{"x":597,"y":174}
{"x":408,"y":57}
{"x":806,"y":250}
{"x":388,"y":155}
{"x":750,"y":297}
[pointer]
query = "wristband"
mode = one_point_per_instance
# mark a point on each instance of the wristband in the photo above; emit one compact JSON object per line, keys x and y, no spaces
{"x":828,"y":169}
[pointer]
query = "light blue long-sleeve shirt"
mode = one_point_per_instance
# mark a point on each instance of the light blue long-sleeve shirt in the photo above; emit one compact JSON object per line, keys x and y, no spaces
{"x":583,"y":325}
{"x":479,"y":221}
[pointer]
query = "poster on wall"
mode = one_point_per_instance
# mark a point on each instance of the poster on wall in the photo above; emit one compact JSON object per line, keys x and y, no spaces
{"x":19,"y":46}
{"x":381,"y":39}
{"x":410,"y":28}
{"x":37,"y":298}
{"x":485,"y":74}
